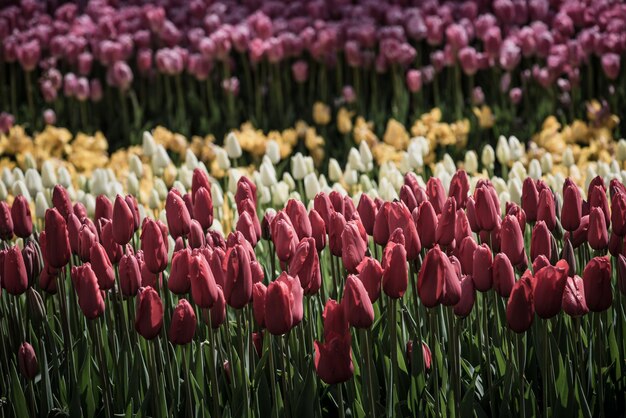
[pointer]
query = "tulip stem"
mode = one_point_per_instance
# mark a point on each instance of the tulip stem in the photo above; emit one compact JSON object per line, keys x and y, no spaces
{"x":187,"y":377}
{"x":242,"y":363}
{"x":273,"y":376}
{"x":600,"y":360}
{"x":487,"y":348}
{"x":546,"y":352}
{"x":214,"y":381}
{"x":285,"y":378}
{"x":393,"y":340}
{"x":435,"y":370}
{"x":520,"y":369}
{"x":365,"y":335}
{"x":340,"y":407}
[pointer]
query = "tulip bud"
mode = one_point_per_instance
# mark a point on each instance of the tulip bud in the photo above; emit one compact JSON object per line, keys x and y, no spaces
{"x":512,"y":241}
{"x":447,"y":223}
{"x":218,"y":310}
{"x":572,"y":206}
{"x":520,"y":309}
{"x":6,"y":222}
{"x":306,"y":266}
{"x":231,"y":145}
{"x":353,"y":246}
{"x":154,"y":246}
{"x":468,"y":297}
{"x":259,"y":291}
{"x":548,"y":289}
{"x":395,"y":270}
{"x":130,"y":275}
{"x":203,"y":287}
{"x":238,"y":285}
{"x":574,"y":303}
{"x":597,"y":235}
{"x":356,"y":303}
{"x":183,"y":324}
{"x":102,"y":267}
{"x":27,"y":361}
{"x":123,"y":221}
{"x":20,"y":214}
{"x":318,"y":229}
{"x":178,"y":218}
{"x":90,"y":297}
{"x":278,"y":308}
{"x":149,"y":314}
{"x":540,"y":243}
{"x":597,"y":284}
{"x":618,"y":214}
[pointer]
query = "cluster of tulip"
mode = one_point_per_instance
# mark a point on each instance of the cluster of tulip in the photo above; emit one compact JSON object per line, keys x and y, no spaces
{"x":184,"y":59}
{"x":512,"y":288}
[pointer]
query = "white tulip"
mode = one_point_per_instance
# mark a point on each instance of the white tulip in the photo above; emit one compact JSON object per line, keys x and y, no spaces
{"x":29,"y":161}
{"x":231,"y":144}
{"x":7,"y":177}
{"x":148,"y":144}
{"x":366,"y":183}
{"x":64,"y":177}
{"x":351,"y":177}
{"x":309,"y":164}
{"x":185,"y":175}
{"x":449,"y":164}
{"x":48,"y":175}
{"x":516,"y":148}
{"x":20,"y":189}
{"x":515,"y":190}
{"x":180,"y":187}
{"x":233,"y":177}
{"x":534,"y":169}
{"x":504,"y":197}
{"x":499,"y":184}
{"x":590,"y":174}
{"x":163,"y":218}
{"x":154,"y":201}
{"x":503,"y":151}
{"x":135,"y":165}
{"x":268,"y":173}
{"x":366,"y":156}
{"x":295,"y":195}
{"x":280,"y":193}
{"x":518,"y":170}
{"x":354,"y":160}
{"x":386,"y":190}
{"x":471,"y":162}
{"x":223,"y":162}
{"x":568,"y":157}
{"x":3,"y":192}
{"x":18,"y":175}
{"x":191,"y":161}
{"x":90,"y":205}
{"x":603,"y":169}
{"x":311,"y":186}
{"x":323,"y":182}
{"x":615,"y":169}
{"x":272,"y":151}
{"x":298,"y":166}
{"x":289,"y":181}
{"x":488,"y":156}
{"x":217,"y":194}
{"x":33,"y":181}
{"x":265,"y":195}
{"x":161,"y":188}
{"x":160,"y":159}
{"x":132,"y":184}
{"x":334,"y":170}
{"x":546,"y":162}
{"x":41,"y":205}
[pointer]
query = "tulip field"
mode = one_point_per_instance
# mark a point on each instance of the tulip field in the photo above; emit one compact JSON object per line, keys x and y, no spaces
{"x":312,"y":208}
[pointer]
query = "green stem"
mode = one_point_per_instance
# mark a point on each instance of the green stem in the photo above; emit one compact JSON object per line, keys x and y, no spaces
{"x":272,"y":376}
{"x":393,"y":341}
{"x":340,"y":407}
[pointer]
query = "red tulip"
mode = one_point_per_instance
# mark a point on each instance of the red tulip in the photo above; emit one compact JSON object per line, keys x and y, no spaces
{"x":530,"y":199}
{"x":426,"y":224}
{"x":468,"y":296}
{"x":395,"y":270}
{"x":130,"y":275}
{"x":318,"y":229}
{"x":335,"y":320}
{"x":216,"y":263}
{"x":336,"y":199}
{"x":86,"y":239}
{"x":104,"y":208}
{"x":436,"y":194}
{"x":27,"y":361}
{"x":618,"y":214}
{"x":597,"y":235}
{"x":503,"y":275}
{"x":459,"y":188}
{"x":149,"y":314}
{"x":183,"y":324}
{"x":381,"y":225}
{"x":259,"y":292}
{"x":246,"y":189}
{"x":353,"y":247}
{"x":102,"y":267}
{"x":58,"y":244}
{"x":541,"y":241}
{"x":579,"y":236}
{"x":306,"y":265}
{"x":447,"y":223}
{"x":572,"y":206}
{"x":410,"y":179}
{"x":435,"y":272}
{"x":574,"y":303}
{"x":597,"y":284}
{"x":32,"y":260}
{"x":197,"y":239}
{"x":407,"y":197}
{"x":203,"y":287}
{"x":349,"y":210}
{"x":399,"y":217}
{"x":482,"y":268}
{"x":297,"y":307}
{"x":247,"y":206}
{"x":487,"y":214}
{"x":297,"y":213}
{"x":179,"y":281}
{"x":462,"y":227}
{"x":218,"y":310}
{"x":154,"y":246}
{"x":238,"y":285}
{"x":546,"y":209}
{"x":257,"y":340}
{"x":199,"y":179}
{"x":178,"y":218}
{"x":539,"y":263}
{"x":335,"y":230}
{"x":548,"y":289}
{"x":203,"y":207}
{"x":14,"y":277}
{"x":22,"y":220}
{"x":371,"y":274}
{"x":356,"y":303}
{"x":512,"y":241}
{"x":113,"y":249}
{"x":465,"y":252}
{"x":278,"y":308}
{"x":426,"y":354}
{"x":324,"y":207}
{"x":123,"y":221}
{"x":256,"y":270}
{"x":284,"y":237}
{"x":471,"y":215}
{"x":520,"y":309}
{"x":597,"y":199}
{"x":452,"y":284}
{"x":367,"y":211}
{"x":61,"y":201}
{"x":79,"y":210}
{"x":90,"y":297}
{"x":518,"y":213}
{"x":245,"y":225}
{"x":73,"y":232}
{"x":333,"y":359}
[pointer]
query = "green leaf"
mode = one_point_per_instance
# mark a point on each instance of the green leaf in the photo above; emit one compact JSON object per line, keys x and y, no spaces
{"x":17,"y":395}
